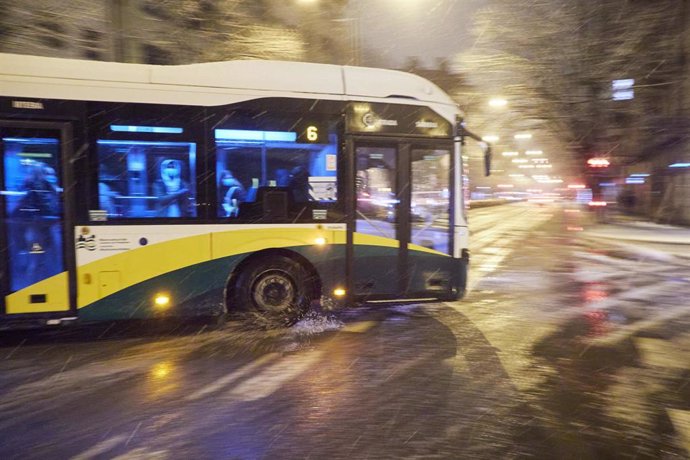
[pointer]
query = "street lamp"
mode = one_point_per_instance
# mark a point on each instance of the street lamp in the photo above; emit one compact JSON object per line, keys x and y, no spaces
{"x":497,"y":102}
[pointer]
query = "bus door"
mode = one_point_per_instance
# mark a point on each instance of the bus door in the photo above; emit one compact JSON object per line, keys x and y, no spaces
{"x":401,"y":238}
{"x":33,"y":276}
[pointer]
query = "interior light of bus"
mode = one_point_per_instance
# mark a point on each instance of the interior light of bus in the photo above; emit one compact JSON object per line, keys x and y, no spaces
{"x":250,"y":135}
{"x":339,"y":292}
{"x":30,"y":140}
{"x":320,"y":241}
{"x":191,"y":145}
{"x":679,"y":165}
{"x":639,"y":175}
{"x":146,"y":129}
{"x":162,"y":300}
{"x":635,"y":180}
{"x":596,"y":204}
{"x":35,"y":155}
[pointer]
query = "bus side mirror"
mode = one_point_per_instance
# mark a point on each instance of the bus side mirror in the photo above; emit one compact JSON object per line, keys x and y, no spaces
{"x":486,"y":148}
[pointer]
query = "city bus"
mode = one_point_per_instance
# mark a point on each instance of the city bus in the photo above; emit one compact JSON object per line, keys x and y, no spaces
{"x":140,"y":191}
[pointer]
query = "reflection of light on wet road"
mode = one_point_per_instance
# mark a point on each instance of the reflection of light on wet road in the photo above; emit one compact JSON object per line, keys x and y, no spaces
{"x":663,"y":353}
{"x":161,"y":380}
{"x":101,"y":448}
{"x":161,"y":370}
{"x":594,"y":292}
{"x":233,"y":376}
{"x":269,"y":380}
{"x":681,"y":423}
{"x":492,"y":264}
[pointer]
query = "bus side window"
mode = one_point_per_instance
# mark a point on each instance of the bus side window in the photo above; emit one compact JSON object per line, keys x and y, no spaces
{"x":250,"y":160}
{"x":147,"y":179}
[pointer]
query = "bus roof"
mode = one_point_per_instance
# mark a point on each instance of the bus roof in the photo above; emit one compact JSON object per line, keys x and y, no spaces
{"x":264,"y":76}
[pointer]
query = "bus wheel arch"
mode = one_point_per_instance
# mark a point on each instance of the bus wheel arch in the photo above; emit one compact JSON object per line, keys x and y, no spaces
{"x":277,"y":285}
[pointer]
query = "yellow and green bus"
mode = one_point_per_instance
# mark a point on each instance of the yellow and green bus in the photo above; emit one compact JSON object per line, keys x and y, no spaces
{"x":137,"y":191}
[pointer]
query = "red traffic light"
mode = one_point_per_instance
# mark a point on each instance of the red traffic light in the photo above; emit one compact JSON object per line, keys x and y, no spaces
{"x":598,"y":163}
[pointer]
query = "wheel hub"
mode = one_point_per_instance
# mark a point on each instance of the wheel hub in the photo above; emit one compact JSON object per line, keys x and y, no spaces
{"x":273,"y":291}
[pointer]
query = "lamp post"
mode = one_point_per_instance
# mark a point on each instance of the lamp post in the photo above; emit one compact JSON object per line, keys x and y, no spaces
{"x":498,"y":102}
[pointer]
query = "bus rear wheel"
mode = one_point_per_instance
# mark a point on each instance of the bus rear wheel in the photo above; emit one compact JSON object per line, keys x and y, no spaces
{"x":274,"y":289}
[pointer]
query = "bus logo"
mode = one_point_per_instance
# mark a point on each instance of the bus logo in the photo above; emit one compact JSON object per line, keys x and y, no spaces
{"x":87,"y":242}
{"x":371,"y":120}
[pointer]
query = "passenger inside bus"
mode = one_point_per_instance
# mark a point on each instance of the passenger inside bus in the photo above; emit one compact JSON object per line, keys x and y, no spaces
{"x":172,"y":190}
{"x":232,"y":193}
{"x":141,"y":179}
{"x":34,"y":226}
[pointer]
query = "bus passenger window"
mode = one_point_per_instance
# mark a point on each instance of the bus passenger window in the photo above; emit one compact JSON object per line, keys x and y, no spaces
{"x":146,"y":179}
{"x":247,"y":160}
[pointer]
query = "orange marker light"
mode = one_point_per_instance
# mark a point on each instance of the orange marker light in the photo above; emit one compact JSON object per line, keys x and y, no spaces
{"x":162,"y":301}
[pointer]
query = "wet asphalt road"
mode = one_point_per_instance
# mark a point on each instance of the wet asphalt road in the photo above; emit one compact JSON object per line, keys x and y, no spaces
{"x":565,"y":347}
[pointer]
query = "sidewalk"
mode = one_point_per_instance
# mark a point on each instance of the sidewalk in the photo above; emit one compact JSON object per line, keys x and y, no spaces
{"x":629,"y":229}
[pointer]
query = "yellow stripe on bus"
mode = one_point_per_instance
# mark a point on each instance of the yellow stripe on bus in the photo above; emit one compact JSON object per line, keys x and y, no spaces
{"x":373,"y":240}
{"x":122,"y":270}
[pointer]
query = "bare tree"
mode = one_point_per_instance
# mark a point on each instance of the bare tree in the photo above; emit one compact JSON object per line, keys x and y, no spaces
{"x":556,"y":60}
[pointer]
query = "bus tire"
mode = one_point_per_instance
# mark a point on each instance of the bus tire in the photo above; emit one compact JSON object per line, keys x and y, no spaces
{"x":274,"y":289}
